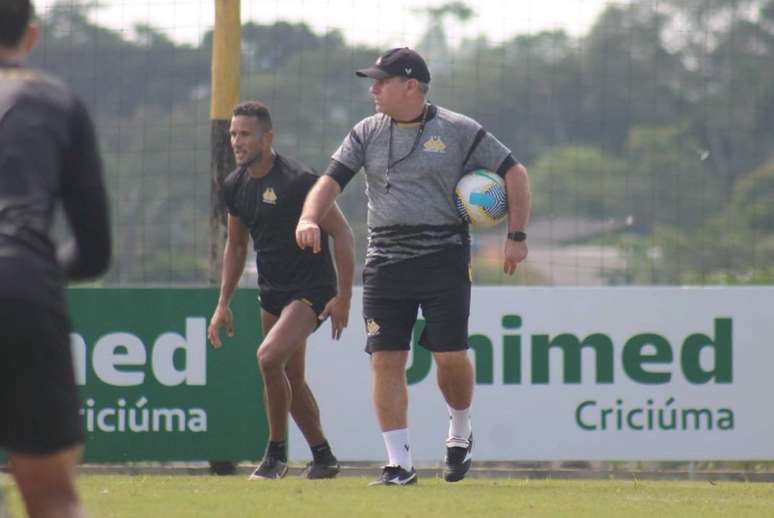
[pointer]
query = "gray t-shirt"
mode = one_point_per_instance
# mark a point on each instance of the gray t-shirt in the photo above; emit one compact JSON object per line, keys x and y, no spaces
{"x":411,"y":210}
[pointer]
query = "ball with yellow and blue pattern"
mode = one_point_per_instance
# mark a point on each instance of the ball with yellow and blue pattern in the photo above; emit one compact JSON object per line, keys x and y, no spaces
{"x":481,"y":199}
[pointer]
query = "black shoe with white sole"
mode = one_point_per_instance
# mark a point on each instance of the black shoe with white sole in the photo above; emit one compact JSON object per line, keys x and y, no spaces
{"x":395,"y":476}
{"x":319,"y":470}
{"x":458,"y":461}
{"x":270,"y":469}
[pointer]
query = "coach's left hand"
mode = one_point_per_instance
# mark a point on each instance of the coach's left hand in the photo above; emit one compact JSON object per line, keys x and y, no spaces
{"x":338,"y":309}
{"x":515,"y":252}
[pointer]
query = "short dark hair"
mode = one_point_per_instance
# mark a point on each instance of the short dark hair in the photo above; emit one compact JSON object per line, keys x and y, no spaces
{"x":254,"y":109}
{"x":15,"y":16}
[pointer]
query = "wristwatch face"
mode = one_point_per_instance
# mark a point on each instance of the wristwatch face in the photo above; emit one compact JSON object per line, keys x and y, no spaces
{"x":517,"y":235}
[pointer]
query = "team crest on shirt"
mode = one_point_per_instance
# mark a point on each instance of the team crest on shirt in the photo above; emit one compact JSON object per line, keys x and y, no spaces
{"x":269,"y":196}
{"x":435,"y":145}
{"x":372,"y":328}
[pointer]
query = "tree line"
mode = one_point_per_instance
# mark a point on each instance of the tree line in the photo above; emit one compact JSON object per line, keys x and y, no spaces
{"x":660,"y":118}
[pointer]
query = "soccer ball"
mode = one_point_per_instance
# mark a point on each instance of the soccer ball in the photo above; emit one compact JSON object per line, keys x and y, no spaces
{"x":480,"y":198}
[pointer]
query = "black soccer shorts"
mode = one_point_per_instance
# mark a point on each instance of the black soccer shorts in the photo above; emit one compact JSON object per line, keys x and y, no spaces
{"x":438,"y":284}
{"x":316,"y":298}
{"x":38,"y":398}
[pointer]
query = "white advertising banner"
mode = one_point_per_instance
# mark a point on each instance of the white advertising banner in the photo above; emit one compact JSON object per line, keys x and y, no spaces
{"x":576,"y":374}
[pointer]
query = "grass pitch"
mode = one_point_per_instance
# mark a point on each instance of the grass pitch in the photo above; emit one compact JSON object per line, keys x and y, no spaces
{"x":150,"y":496}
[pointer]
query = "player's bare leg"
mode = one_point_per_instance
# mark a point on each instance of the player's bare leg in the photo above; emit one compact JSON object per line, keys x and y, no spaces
{"x":290,"y":330}
{"x":306,"y":414}
{"x":47,"y":483}
{"x":303,"y":406}
{"x":455,"y":379}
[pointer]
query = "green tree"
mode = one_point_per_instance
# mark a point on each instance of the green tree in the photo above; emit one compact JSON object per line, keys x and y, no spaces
{"x":727,"y":47}
{"x":753,"y":198}
{"x":664,"y":111}
{"x":628,"y":77}
{"x":735,"y":246}
{"x":433,"y":44}
{"x":118,"y":77}
{"x":578,"y":181}
{"x":270,"y":47}
{"x":525,"y":91}
{"x":667,"y":181}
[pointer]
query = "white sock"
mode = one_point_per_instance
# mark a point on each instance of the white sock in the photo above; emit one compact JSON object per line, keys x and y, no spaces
{"x":398,"y":448}
{"x":459,"y":427}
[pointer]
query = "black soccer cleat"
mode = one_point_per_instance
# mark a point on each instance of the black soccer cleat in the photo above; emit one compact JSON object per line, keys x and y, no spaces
{"x":458,"y":461}
{"x":270,"y":469}
{"x":320,"y":470}
{"x":395,"y":476}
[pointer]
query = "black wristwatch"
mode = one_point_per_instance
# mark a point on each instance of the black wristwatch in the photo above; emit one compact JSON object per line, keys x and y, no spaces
{"x":517,"y":235}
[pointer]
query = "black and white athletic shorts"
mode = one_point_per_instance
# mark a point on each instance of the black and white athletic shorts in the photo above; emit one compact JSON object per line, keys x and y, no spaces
{"x":39,"y":401}
{"x":438,"y":283}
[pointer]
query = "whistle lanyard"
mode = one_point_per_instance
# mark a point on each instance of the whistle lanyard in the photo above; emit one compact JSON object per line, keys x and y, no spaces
{"x":391,"y":165}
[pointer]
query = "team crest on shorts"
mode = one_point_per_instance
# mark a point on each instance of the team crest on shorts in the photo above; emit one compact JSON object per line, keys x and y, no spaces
{"x":269,"y":196}
{"x":372,"y":328}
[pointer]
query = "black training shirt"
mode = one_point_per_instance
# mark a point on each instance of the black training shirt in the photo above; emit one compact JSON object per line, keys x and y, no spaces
{"x":47,"y":153}
{"x":270,"y":207}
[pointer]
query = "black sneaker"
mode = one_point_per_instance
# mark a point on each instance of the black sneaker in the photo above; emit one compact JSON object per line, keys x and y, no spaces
{"x":395,"y":476}
{"x":318,"y":470}
{"x":270,"y":469}
{"x":458,"y":461}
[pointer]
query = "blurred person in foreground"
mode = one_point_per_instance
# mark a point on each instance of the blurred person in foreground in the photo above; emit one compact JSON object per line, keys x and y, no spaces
{"x":48,"y":154}
{"x":414,"y":153}
{"x":298,"y":289}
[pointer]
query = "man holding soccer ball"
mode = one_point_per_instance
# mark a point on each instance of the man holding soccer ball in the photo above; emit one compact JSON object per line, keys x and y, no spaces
{"x":414,"y":153}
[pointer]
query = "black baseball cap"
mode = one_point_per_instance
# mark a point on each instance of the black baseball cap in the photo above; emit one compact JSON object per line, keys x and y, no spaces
{"x":402,"y":61}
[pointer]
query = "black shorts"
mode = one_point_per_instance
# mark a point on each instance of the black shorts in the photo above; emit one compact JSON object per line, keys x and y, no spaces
{"x":39,"y":401}
{"x":316,"y":298}
{"x":437,"y":283}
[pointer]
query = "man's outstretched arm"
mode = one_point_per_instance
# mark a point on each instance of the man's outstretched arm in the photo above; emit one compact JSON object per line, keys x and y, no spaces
{"x":317,"y":204}
{"x":335,"y":224}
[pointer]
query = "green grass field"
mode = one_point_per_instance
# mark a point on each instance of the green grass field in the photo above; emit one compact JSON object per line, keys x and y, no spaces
{"x":193,"y":496}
